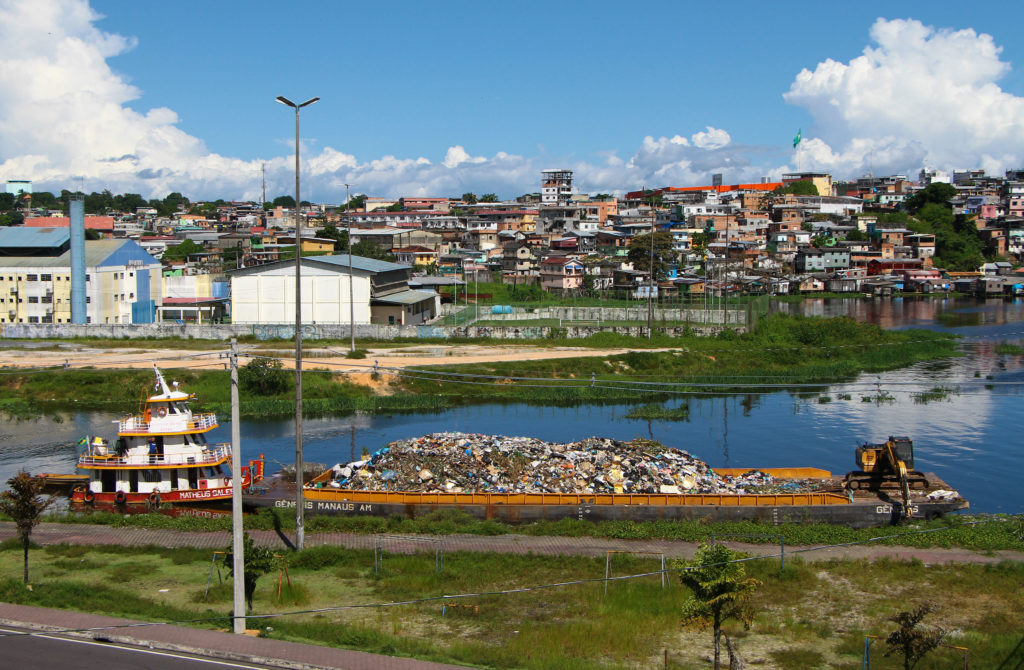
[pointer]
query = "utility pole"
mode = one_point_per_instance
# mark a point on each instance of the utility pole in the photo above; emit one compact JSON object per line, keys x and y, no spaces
{"x":263,"y":170}
{"x":351,"y":291}
{"x":650,"y":282}
{"x":300,"y":530}
{"x":237,"y":543}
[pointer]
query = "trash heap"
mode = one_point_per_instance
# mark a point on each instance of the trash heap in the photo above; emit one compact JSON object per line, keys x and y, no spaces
{"x":469,"y":463}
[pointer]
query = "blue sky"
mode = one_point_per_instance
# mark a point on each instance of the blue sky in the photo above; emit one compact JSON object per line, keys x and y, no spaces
{"x":440,"y":98}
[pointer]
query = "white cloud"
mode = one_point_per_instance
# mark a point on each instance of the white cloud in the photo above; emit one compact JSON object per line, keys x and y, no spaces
{"x":919,"y":96}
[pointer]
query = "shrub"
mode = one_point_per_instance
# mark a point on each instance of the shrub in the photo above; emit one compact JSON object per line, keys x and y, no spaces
{"x":263,"y":376}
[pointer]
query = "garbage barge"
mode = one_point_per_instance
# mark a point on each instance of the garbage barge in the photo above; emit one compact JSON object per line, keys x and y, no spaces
{"x":519,"y":479}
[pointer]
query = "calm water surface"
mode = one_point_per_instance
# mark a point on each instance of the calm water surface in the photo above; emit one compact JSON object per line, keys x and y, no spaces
{"x":971,"y":438}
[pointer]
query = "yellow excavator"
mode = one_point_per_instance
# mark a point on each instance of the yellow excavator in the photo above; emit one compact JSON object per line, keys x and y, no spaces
{"x":887,"y":466}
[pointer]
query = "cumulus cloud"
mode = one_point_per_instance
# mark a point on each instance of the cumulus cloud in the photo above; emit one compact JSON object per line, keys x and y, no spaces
{"x":65,"y":120}
{"x":918,"y":96}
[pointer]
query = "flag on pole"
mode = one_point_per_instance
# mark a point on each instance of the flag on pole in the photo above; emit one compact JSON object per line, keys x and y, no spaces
{"x":799,"y":136}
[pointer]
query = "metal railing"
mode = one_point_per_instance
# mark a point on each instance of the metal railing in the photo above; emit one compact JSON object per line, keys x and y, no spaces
{"x":138,"y":424}
{"x":213,"y":454}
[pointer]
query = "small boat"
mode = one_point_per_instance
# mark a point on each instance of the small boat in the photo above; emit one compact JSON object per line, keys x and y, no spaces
{"x":161,"y":455}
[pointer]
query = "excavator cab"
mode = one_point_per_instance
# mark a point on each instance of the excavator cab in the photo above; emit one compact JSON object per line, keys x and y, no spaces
{"x":888,"y":457}
{"x":887,"y":466}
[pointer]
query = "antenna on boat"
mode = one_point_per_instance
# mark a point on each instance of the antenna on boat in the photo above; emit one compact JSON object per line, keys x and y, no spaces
{"x":161,"y":384}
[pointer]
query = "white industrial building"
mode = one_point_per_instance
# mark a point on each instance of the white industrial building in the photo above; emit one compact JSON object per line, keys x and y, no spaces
{"x":265,"y":294}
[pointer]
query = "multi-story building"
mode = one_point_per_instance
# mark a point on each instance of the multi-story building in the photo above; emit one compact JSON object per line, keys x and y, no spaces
{"x":122,"y":281}
{"x":556,"y":187}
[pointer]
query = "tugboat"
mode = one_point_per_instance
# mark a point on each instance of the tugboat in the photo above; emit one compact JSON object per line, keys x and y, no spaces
{"x":160,"y":456}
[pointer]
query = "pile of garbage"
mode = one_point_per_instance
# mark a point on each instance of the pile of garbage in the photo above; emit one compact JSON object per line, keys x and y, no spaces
{"x":469,"y":463}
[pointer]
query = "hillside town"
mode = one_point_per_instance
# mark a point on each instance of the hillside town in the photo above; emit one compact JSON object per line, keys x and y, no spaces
{"x":805,"y":233}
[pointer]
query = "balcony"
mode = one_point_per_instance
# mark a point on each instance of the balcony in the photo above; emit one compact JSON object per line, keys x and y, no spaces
{"x":213,"y":454}
{"x":169,"y":424}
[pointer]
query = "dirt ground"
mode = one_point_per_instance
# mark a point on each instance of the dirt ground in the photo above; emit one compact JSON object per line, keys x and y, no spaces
{"x":333,"y":359}
{"x":77,"y":356}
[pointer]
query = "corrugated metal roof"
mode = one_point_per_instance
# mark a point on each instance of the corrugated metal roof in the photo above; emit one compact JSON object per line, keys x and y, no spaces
{"x":358,"y":262}
{"x":406,"y":297}
{"x":19,"y":237}
{"x":98,"y":253}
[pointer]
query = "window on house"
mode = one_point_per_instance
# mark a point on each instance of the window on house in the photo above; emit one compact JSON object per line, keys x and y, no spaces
{"x":33,"y":299}
{"x":88,"y":298}
{"x":46,"y":277}
{"x":33,"y":319}
{"x":31,"y":277}
{"x":48,"y":299}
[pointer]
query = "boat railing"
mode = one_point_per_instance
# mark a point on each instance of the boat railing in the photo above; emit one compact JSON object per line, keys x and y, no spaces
{"x":214,"y":453}
{"x":139,"y":424}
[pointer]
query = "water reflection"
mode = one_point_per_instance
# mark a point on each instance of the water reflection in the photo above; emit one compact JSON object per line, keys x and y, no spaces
{"x":969,"y":436}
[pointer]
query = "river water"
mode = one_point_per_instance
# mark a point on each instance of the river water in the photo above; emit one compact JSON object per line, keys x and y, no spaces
{"x":971,"y":436}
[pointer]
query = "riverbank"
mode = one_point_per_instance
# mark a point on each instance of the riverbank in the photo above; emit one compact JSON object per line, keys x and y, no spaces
{"x":783,"y":350}
{"x":527,"y":602}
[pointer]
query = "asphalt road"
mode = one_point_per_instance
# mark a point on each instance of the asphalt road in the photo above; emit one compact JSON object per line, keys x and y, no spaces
{"x":45,"y":651}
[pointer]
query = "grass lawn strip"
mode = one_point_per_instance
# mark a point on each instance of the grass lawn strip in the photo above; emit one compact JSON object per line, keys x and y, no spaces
{"x":818,"y":611}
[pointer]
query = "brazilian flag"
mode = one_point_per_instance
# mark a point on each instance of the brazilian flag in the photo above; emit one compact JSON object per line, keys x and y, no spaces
{"x":799,"y":136}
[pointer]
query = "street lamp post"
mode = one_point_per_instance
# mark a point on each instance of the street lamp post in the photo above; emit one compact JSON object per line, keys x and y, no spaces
{"x":351,"y":291}
{"x":300,"y":531}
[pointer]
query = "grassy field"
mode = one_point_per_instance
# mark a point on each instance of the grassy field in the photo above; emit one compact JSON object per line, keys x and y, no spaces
{"x":809,"y":615}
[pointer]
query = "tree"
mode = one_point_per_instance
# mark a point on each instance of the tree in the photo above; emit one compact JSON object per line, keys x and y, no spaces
{"x":699,"y":244}
{"x":24,"y":504}
{"x":356,"y":202}
{"x":721,"y":591}
{"x":258,"y":562}
{"x":370,"y":249}
{"x":939,"y":194}
{"x":912,"y":641}
{"x":286,"y":201}
{"x":489,"y":197}
{"x":170,"y":205}
{"x":263,"y":377}
{"x":331,"y":232}
{"x":397,"y":207}
{"x":182,"y":251}
{"x":802,"y":187}
{"x":857,"y":235}
{"x":665,"y":253}
{"x":469,"y":198}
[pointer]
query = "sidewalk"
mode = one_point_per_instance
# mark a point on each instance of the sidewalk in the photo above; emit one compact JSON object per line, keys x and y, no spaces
{"x":57,"y":533}
{"x":207,"y":643}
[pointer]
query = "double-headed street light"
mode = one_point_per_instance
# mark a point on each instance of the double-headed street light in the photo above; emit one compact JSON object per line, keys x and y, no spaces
{"x":300,"y":531}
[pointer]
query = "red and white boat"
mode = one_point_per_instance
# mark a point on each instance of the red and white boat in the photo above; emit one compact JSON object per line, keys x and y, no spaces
{"x":160,"y":456}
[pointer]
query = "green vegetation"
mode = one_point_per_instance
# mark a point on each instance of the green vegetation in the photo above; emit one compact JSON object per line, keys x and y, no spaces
{"x":808,"y":615}
{"x":782,"y":349}
{"x":720,"y":591}
{"x":787,"y":348}
{"x":658,"y":412}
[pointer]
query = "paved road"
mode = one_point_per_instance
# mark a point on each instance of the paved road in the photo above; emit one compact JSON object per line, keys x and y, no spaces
{"x":109,"y":643}
{"x":31,"y":650}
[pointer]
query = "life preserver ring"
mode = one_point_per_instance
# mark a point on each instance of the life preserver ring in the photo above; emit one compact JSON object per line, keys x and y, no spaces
{"x":161,"y":412}
{"x":120,"y":497}
{"x":89,"y":497}
{"x":154,"y":498}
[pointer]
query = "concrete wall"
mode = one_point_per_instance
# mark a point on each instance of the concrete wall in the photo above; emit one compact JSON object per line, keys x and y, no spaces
{"x":733,"y":317}
{"x":24,"y":331}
